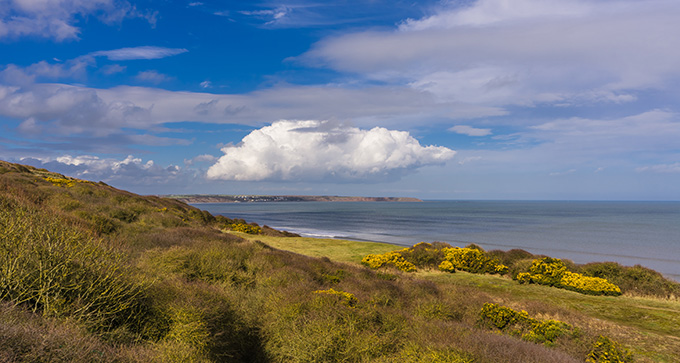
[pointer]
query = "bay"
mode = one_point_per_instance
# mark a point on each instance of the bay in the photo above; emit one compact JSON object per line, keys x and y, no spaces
{"x":645,"y":233}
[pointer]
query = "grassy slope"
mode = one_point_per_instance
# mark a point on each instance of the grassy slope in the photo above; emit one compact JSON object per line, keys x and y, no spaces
{"x":650,"y":326}
{"x":204,"y":295}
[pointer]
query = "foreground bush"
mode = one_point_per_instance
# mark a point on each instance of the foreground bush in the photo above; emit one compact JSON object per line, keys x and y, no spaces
{"x":519,"y":323}
{"x":607,"y":351}
{"x":553,"y":272}
{"x":548,"y":332}
{"x":60,"y":271}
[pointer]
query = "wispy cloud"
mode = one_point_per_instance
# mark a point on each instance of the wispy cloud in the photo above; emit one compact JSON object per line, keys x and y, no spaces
{"x":134,"y":53}
{"x":660,"y":168}
{"x":58,"y":20}
{"x":152,"y":76}
{"x":470,"y":131}
{"x":525,"y":52}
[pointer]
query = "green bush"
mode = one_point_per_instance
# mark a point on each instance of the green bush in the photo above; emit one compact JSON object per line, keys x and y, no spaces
{"x":636,"y":280}
{"x":245,"y":228}
{"x":59,"y":270}
{"x":607,"y":351}
{"x":501,"y":317}
{"x":423,"y":255}
{"x":124,"y":215}
{"x":520,"y":323}
{"x":553,"y":272}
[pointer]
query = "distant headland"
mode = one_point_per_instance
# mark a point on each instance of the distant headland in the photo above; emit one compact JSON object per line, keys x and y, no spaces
{"x":202,"y":198}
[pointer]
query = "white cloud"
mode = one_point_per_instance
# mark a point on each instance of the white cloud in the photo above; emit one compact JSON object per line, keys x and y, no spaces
{"x":315,"y":150}
{"x":13,"y":74}
{"x":563,"y":173}
{"x":152,"y":76}
{"x":204,"y":158}
{"x":82,"y":110}
{"x":113,"y":69}
{"x":206,"y":84}
{"x":56,"y":19}
{"x":520,"y":52}
{"x":273,"y":16}
{"x":470,"y":131}
{"x":660,"y":168}
{"x":134,"y":53}
{"x":130,"y":170}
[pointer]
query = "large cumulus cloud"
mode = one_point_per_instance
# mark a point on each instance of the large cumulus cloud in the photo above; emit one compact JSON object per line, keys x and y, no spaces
{"x":317,"y":150}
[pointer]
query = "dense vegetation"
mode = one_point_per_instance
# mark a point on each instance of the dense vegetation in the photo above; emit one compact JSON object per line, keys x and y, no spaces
{"x":90,"y":273}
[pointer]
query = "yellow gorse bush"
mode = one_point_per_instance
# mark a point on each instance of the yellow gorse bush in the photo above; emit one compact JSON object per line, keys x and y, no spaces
{"x":553,"y":272}
{"x":586,"y":284}
{"x":67,"y":183}
{"x":394,"y":259}
{"x":245,"y":228}
{"x":607,"y":351}
{"x":470,"y":260}
{"x":547,"y":332}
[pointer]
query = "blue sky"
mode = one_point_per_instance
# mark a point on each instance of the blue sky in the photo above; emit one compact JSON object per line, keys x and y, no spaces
{"x":486,"y":99}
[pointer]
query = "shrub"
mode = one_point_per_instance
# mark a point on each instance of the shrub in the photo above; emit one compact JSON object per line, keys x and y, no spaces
{"x":394,"y":259}
{"x":124,"y":215}
{"x":423,"y":255}
{"x":60,"y":270}
{"x":520,"y":323}
{"x":66,"y":183}
{"x":637,"y":280}
{"x":472,"y":260}
{"x":547,"y":271}
{"x":553,"y":272}
{"x":501,"y":317}
{"x":607,"y":351}
{"x":347,"y":298}
{"x":588,"y":285}
{"x":245,"y":228}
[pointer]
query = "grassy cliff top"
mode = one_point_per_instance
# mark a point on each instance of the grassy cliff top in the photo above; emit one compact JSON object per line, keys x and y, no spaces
{"x":91,"y":273}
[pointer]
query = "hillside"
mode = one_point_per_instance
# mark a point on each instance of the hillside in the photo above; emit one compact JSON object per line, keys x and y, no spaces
{"x":90,"y":273}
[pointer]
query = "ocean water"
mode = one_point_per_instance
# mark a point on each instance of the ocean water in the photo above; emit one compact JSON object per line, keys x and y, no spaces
{"x":645,"y":233}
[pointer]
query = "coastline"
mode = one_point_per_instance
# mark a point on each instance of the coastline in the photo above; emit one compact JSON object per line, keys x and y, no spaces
{"x":217,"y":198}
{"x":627,"y":233}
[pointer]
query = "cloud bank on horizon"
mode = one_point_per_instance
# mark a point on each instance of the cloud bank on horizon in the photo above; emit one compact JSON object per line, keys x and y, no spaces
{"x":557,"y":98}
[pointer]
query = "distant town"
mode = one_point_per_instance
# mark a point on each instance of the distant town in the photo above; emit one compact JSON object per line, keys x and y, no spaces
{"x":191,"y":198}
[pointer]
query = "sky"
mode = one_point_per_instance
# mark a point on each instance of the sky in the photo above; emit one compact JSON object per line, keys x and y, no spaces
{"x":468,"y":99}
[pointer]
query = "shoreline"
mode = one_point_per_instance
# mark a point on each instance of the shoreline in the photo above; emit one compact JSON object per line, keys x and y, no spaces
{"x":217,"y":198}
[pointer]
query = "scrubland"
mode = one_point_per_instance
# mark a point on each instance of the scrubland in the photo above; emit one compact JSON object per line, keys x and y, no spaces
{"x":90,"y":273}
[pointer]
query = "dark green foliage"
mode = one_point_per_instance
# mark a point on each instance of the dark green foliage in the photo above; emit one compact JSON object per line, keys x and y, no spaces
{"x":124,"y":215}
{"x":605,"y":351}
{"x":60,"y":271}
{"x":425,"y":254}
{"x":637,"y":280}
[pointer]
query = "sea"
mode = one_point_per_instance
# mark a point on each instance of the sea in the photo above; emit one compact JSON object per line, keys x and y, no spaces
{"x":645,"y":233}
